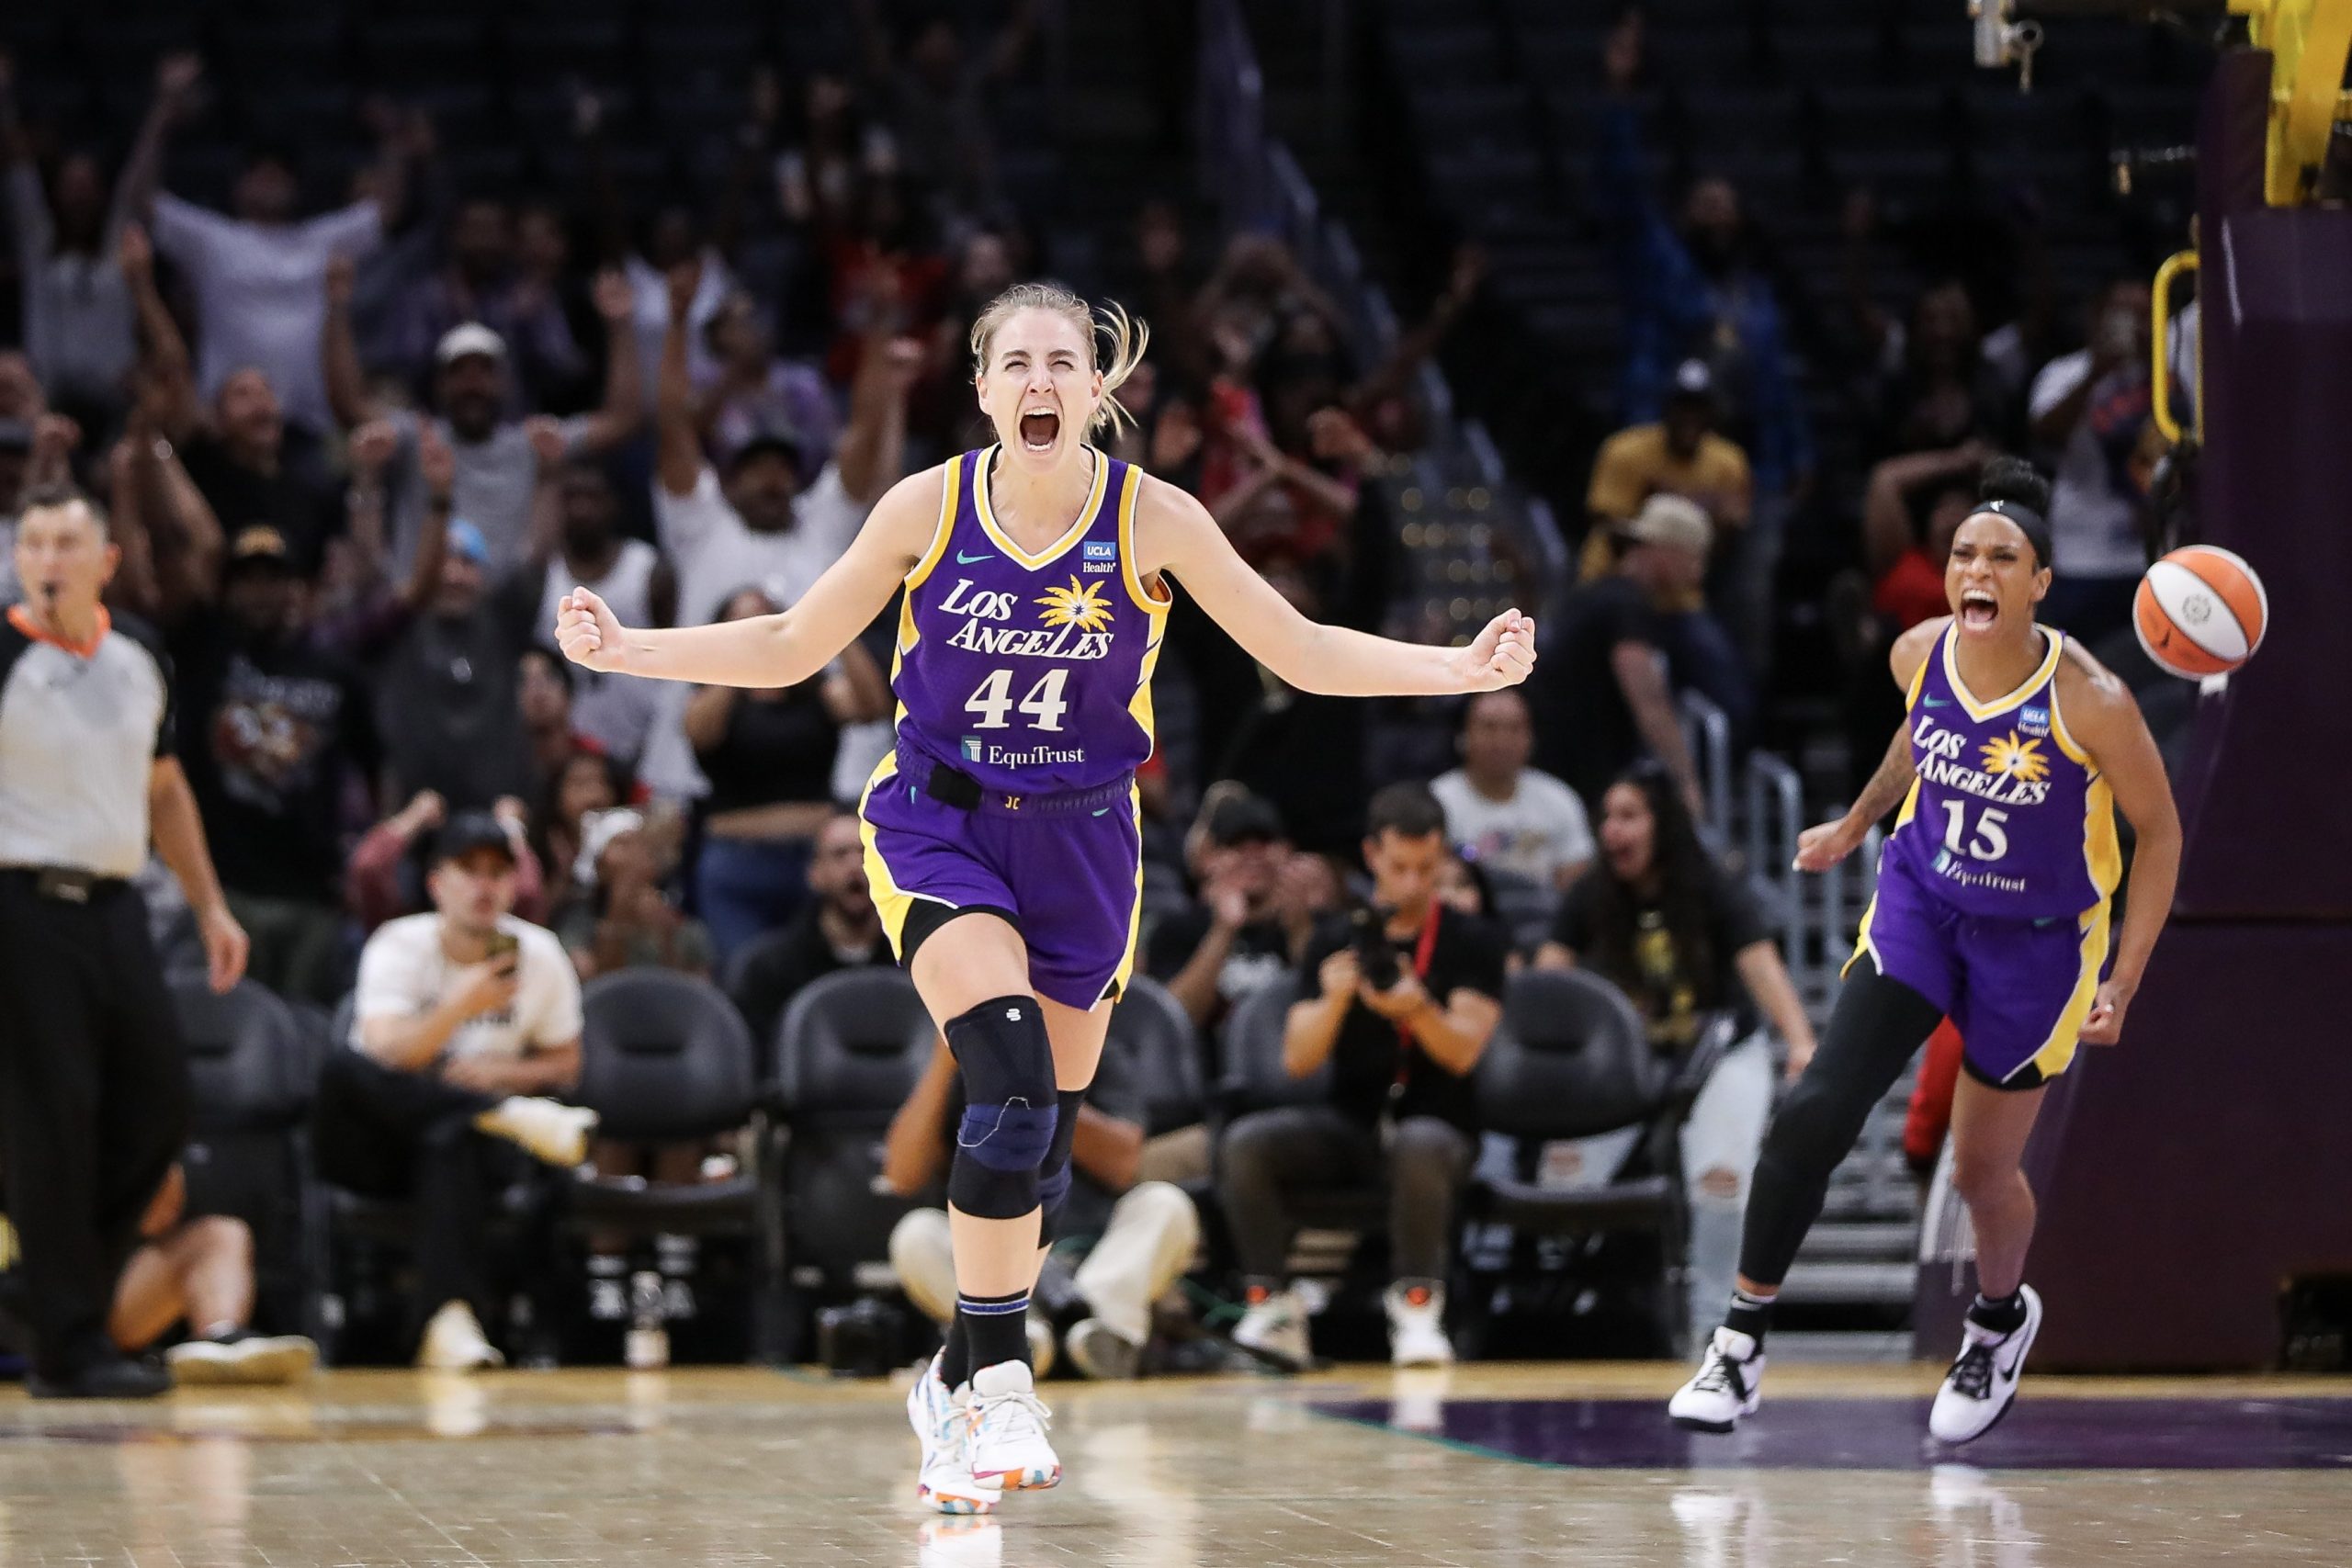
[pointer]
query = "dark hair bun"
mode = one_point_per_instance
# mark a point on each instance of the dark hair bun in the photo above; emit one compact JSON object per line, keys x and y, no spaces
{"x":2013,"y":479}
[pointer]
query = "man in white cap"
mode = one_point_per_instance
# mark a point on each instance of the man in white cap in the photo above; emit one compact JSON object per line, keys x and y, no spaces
{"x":498,"y":457}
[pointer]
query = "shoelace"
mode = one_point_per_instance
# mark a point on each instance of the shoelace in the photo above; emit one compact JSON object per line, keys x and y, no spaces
{"x":1014,"y":1415}
{"x":1721,"y":1375}
{"x":1972,"y":1373}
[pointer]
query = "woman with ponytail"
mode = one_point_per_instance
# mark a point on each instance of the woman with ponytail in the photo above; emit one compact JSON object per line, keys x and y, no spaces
{"x":1001,"y":835}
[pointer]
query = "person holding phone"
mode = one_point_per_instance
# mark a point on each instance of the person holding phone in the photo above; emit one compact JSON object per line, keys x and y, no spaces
{"x":1399,"y":1001}
{"x":466,"y":1027}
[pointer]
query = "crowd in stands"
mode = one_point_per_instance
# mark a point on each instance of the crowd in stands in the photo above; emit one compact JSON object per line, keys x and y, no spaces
{"x":352,"y":457}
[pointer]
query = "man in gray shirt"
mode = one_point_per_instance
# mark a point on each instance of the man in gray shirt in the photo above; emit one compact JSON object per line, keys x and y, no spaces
{"x":497,"y":461}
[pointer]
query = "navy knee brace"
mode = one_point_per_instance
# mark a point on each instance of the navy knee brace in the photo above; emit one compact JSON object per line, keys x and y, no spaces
{"x":1009,"y":1108}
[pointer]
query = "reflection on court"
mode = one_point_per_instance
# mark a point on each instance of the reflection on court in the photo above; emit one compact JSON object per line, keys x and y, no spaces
{"x":1481,"y":1468}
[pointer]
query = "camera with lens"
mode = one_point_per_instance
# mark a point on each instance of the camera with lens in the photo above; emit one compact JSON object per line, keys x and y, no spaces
{"x":1375,"y":955}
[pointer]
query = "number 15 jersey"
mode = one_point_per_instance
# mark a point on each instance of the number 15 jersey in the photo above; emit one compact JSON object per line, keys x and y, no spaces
{"x":2008,"y":816}
{"x":1030,"y":672}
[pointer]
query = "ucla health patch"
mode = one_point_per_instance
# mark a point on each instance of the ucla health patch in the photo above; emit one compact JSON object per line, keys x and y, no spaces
{"x":1099,"y":555}
{"x":2034,"y":720}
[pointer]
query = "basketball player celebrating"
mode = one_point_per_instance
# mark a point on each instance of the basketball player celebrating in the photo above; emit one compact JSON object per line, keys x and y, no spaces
{"x":1001,"y":836}
{"x":1992,"y":907}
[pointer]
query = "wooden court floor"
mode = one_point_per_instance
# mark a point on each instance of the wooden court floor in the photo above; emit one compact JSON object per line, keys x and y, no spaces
{"x":1489,"y":1466}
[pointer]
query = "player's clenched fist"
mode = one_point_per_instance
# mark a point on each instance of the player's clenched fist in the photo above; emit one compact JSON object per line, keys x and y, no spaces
{"x":586,"y":631}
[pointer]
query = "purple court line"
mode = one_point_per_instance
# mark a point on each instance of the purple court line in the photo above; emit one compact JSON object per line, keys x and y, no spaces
{"x":1886,"y":1434}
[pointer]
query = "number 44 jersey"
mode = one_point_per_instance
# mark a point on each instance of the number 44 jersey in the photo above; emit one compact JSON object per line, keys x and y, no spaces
{"x":2008,"y":816}
{"x":1030,"y":672}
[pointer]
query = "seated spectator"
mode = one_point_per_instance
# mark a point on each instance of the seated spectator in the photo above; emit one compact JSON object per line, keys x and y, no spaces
{"x":499,"y":461}
{"x":837,"y":928}
{"x":259,"y":277}
{"x":624,"y":919}
{"x":1658,"y":919}
{"x":769,"y":758}
{"x":2089,"y":409}
{"x":1604,"y":686}
{"x":199,"y":1271}
{"x":1137,"y":1238}
{"x":281,"y":730}
{"x":589,"y":782}
{"x":1401,"y":1045}
{"x":616,"y":711}
{"x":1227,"y":943}
{"x":1681,"y":454}
{"x":466,"y":1021}
{"x":1504,"y":814}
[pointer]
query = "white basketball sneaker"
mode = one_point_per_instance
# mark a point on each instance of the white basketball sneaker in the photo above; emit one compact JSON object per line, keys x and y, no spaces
{"x":945,"y":1482}
{"x":1417,"y":1326}
{"x":1008,"y":1425}
{"x":1727,"y":1386}
{"x":1983,"y":1383}
{"x":1273,"y":1329}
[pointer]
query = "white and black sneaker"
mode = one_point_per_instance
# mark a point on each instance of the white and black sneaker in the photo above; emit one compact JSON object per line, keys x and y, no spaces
{"x":1983,"y":1383}
{"x":1727,"y":1386}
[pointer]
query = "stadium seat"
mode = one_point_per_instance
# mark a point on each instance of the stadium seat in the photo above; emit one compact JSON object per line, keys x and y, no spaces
{"x":666,"y":1058}
{"x":253,"y":1070}
{"x":1165,"y":1048}
{"x":848,"y":1053}
{"x":1573,"y":1060}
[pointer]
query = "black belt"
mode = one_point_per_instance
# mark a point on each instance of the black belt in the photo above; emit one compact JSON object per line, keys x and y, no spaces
{"x":65,"y":883}
{"x":953,"y":786}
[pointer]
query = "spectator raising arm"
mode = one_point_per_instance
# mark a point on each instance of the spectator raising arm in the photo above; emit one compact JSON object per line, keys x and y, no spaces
{"x":624,"y":405}
{"x":176,"y":76}
{"x":678,"y":461}
{"x":163,"y":352}
{"x":339,"y":350}
{"x":874,"y":446}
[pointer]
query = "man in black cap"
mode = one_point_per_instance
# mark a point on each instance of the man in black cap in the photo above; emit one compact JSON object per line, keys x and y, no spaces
{"x":464,"y":1024}
{"x":276,"y":729}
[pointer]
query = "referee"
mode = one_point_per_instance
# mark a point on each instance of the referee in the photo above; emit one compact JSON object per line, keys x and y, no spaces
{"x":93,"y":1084}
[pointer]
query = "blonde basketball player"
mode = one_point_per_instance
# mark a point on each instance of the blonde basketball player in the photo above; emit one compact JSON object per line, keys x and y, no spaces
{"x":1001,"y":836}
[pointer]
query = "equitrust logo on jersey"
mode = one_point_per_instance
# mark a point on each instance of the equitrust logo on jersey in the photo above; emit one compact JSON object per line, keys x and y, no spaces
{"x":1099,"y":555}
{"x":971,"y":748}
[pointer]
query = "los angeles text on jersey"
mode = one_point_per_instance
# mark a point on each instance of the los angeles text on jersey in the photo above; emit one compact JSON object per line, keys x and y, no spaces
{"x":1065,"y":634}
{"x":1939,"y":764}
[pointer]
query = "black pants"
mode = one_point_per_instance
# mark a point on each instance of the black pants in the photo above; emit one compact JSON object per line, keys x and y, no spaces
{"x":408,"y":1136}
{"x":1270,"y":1155}
{"x":93,"y":1101}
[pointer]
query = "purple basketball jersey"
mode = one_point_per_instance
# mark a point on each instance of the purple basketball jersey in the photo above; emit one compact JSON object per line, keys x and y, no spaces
{"x":1030,"y":672}
{"x":2008,"y":816}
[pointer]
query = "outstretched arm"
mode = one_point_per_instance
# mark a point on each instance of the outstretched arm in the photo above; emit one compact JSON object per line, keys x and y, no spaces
{"x":782,"y":649}
{"x":1175,"y":534}
{"x":2105,"y":719}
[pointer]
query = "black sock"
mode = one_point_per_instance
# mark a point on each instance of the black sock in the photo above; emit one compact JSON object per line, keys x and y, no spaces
{"x":2006,"y":1315}
{"x":1749,"y":1314}
{"x":988,"y":1330}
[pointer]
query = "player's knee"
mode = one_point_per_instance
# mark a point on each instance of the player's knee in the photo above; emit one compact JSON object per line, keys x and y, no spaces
{"x":1814,"y":1128}
{"x":1010,"y":1116}
{"x":221,"y":1237}
{"x":1980,"y":1181}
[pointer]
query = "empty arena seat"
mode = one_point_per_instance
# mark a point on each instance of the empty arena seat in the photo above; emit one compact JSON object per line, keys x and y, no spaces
{"x":1166,"y":1055}
{"x":1254,"y":1078}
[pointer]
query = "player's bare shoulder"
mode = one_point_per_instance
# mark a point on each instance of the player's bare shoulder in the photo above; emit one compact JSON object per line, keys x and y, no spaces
{"x":2089,"y":691}
{"x":1911,"y":649}
{"x":1167,"y":521}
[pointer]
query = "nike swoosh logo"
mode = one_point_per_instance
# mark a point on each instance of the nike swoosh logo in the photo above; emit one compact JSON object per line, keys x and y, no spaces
{"x":1937,"y":701}
{"x":1104,"y":812}
{"x":963,"y":560}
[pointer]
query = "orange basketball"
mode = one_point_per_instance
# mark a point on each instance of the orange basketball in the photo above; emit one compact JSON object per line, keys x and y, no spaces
{"x":2200,"y":611}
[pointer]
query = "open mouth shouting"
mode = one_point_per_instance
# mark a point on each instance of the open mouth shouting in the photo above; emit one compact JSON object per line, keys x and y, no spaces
{"x":1978,"y":609}
{"x":1041,"y":426}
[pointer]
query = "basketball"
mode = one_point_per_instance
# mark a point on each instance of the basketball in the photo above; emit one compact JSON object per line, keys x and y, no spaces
{"x":2200,"y":611}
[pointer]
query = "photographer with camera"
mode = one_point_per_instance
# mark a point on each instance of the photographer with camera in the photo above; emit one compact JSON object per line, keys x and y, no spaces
{"x":1400,"y":1000}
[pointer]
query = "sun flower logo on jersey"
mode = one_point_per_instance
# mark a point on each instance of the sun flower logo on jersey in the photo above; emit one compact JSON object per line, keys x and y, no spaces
{"x":2011,"y":757}
{"x":1078,"y":605}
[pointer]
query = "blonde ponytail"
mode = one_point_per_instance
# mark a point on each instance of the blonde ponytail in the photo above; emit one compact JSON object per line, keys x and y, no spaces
{"x":1129,"y":337}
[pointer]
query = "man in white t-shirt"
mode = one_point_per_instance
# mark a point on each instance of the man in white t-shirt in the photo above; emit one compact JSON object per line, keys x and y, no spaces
{"x":1503,"y":813}
{"x":2088,"y":409}
{"x":465,"y":1022}
{"x":765,"y":525}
